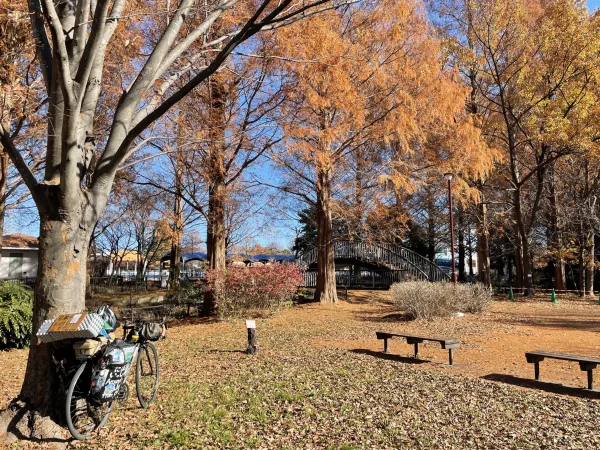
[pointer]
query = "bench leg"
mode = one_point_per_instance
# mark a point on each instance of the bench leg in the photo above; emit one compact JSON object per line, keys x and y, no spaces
{"x":450,"y":358}
{"x":536,"y":368}
{"x":385,"y":345}
{"x":590,"y":379}
{"x":416,"y":350}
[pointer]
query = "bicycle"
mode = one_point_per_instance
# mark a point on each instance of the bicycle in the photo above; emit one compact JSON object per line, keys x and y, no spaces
{"x":99,"y":381}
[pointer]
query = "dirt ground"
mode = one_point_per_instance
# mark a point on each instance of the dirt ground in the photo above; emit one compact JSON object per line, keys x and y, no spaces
{"x":494,"y":342}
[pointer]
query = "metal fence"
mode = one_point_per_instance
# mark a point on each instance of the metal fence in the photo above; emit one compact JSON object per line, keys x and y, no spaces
{"x":375,"y":279}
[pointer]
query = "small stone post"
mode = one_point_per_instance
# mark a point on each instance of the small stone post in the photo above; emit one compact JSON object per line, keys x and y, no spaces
{"x":252,"y":347}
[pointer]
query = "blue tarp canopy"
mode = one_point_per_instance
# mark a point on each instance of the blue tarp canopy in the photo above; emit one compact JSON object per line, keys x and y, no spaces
{"x":185,"y":257}
{"x":268,"y":257}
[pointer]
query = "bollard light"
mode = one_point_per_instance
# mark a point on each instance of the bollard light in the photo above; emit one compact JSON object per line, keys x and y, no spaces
{"x":252,"y":347}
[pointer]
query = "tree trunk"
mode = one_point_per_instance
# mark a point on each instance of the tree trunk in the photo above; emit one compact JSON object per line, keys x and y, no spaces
{"x":60,"y":289}
{"x":431,"y":228}
{"x":461,"y":244}
{"x":217,"y":191}
{"x":560,"y":279}
{"x":581,"y":270}
{"x":325,"y":291}
{"x":215,"y":241}
{"x":5,"y":116}
{"x":589,"y":266}
{"x":483,"y":246}
{"x":175,"y":260}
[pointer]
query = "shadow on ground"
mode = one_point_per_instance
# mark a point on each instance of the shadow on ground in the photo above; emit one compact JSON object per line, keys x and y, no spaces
{"x":382,"y":316}
{"x":554,"y":388}
{"x":387,"y":356}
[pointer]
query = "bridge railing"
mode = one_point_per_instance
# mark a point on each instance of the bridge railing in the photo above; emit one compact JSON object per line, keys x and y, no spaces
{"x":365,"y":278}
{"x":392,"y":256}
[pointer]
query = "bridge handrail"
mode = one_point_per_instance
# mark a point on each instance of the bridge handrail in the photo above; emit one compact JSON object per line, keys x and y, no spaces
{"x":404,"y":255}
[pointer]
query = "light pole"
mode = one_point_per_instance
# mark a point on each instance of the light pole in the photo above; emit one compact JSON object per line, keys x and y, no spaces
{"x":449,"y":178}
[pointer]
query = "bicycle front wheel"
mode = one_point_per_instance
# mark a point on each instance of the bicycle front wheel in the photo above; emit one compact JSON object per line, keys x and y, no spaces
{"x":146,"y":374}
{"x":83,"y":414}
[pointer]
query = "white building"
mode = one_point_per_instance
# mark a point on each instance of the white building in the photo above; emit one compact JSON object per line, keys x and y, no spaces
{"x":443,"y":259}
{"x":19,"y":256}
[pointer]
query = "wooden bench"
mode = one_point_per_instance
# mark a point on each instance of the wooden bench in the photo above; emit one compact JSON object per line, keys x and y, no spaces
{"x":446,"y":344}
{"x":586,"y":363}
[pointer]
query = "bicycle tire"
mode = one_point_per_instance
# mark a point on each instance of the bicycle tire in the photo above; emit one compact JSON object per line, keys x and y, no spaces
{"x":78,"y":392}
{"x":149,"y":356}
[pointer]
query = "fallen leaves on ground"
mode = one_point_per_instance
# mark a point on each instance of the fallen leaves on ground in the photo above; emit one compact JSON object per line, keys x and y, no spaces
{"x":296,"y":394}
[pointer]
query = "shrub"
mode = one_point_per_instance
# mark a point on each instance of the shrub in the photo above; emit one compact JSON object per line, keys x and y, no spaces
{"x":16,"y":314}
{"x":425,"y":300}
{"x":253,"y":290}
{"x":186,"y":293}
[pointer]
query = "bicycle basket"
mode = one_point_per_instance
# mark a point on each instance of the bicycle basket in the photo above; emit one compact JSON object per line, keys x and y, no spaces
{"x":151,"y":332}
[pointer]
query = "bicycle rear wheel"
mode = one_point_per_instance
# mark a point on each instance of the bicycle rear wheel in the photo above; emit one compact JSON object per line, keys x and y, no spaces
{"x":146,"y":374}
{"x":83,"y":414}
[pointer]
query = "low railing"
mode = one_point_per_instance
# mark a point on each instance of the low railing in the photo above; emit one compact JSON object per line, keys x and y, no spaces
{"x":376,"y":279}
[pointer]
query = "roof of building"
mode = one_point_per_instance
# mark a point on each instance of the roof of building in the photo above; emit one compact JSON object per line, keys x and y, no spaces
{"x":266,"y":257}
{"x":19,"y":240}
{"x":185,"y":257}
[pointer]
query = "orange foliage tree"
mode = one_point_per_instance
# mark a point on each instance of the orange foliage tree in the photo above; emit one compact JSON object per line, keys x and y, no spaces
{"x":369,"y":81}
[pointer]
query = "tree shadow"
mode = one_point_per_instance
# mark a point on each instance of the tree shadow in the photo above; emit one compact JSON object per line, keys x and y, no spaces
{"x":388,"y":356}
{"x":554,"y":388}
{"x":13,"y":429}
{"x":222,"y":351}
{"x":184,"y":321}
{"x":377,"y":316}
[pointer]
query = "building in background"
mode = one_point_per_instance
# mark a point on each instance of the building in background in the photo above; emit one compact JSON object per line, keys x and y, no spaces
{"x":19,"y":256}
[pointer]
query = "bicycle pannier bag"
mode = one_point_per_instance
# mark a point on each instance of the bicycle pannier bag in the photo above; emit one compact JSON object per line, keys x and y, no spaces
{"x":108,"y":377}
{"x":151,"y":332}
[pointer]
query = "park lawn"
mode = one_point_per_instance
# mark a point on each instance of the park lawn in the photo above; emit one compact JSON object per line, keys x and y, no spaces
{"x":319,"y":381}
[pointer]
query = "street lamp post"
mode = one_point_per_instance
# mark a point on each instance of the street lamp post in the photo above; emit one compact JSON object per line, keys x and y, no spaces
{"x":449,"y":178}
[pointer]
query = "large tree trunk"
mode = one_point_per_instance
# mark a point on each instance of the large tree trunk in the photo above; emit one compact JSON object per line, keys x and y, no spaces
{"x":175,"y":260}
{"x":5,"y":117}
{"x":215,"y":241}
{"x":483,"y":246}
{"x":325,"y":291}
{"x":60,"y":289}
{"x":217,"y":192}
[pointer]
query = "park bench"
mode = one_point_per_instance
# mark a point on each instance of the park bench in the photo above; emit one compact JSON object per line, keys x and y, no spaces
{"x":446,"y":344}
{"x":586,"y":363}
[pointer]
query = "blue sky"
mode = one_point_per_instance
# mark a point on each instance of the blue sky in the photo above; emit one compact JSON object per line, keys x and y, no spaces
{"x":593,"y":4}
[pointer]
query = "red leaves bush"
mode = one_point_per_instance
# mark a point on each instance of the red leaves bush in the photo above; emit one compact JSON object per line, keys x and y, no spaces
{"x":256,"y":290}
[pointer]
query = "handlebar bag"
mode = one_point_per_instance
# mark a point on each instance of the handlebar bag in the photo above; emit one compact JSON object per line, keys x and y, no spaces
{"x":151,"y":332}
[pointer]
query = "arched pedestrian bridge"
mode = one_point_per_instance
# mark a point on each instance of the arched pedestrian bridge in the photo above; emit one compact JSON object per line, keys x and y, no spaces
{"x":373,"y":264}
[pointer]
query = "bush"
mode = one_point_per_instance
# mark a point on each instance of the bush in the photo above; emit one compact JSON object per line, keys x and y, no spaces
{"x":425,"y":300}
{"x":186,"y":293}
{"x":245,"y":291}
{"x":16,"y":315}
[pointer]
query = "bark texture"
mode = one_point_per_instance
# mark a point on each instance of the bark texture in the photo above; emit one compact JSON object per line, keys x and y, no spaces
{"x":217,"y":193}
{"x":325,"y":291}
{"x":483,"y":246}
